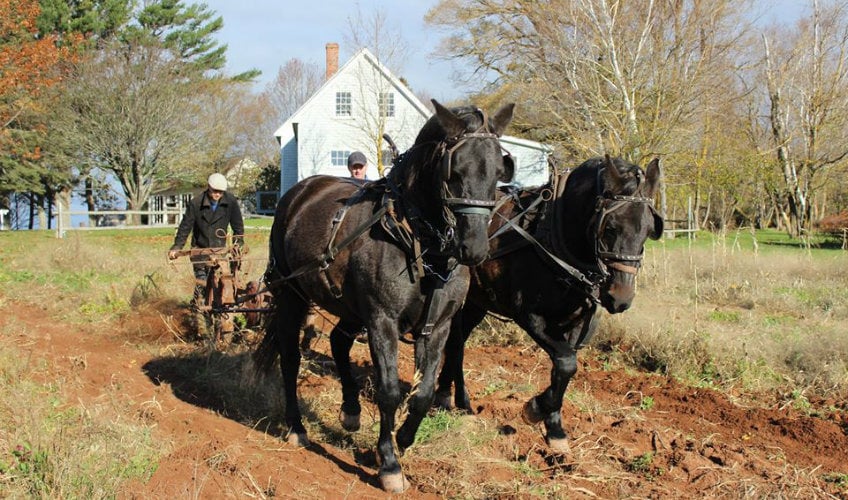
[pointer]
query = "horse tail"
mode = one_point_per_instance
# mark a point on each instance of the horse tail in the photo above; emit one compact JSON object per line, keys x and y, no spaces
{"x":267,"y":352}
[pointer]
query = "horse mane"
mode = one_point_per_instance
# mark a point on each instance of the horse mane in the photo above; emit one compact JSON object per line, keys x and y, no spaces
{"x":582,"y":185}
{"x":632,"y":175}
{"x":421,"y":160}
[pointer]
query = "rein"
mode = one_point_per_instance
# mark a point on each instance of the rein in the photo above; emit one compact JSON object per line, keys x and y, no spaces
{"x":545,"y":196}
{"x":559,"y":255}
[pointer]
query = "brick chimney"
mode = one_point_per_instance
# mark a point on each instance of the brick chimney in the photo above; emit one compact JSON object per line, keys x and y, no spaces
{"x":332,"y":59}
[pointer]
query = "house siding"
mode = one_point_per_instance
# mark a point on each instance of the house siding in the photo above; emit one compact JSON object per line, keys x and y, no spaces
{"x":288,"y":164}
{"x":531,"y":161}
{"x":320,"y":131}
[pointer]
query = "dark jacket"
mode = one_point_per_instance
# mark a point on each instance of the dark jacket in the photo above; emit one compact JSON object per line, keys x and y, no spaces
{"x":203,"y":223}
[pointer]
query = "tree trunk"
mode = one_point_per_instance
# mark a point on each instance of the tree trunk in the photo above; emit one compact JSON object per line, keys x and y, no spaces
{"x":89,"y":201}
{"x":63,"y":204}
{"x":31,"y":199}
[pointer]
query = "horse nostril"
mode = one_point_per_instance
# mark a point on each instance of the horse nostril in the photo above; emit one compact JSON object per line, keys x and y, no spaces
{"x":622,"y":307}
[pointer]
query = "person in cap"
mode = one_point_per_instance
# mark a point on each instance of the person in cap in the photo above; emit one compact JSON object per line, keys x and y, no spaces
{"x":207,"y":217}
{"x":357,"y":164}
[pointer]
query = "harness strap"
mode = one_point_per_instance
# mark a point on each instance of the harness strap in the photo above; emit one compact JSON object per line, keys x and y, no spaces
{"x":435,"y":294}
{"x":323,"y":260}
{"x":573,"y":271}
{"x":500,"y":252}
{"x":539,"y":199}
{"x":587,"y":320}
{"x":400,"y":229}
{"x":623,"y":267}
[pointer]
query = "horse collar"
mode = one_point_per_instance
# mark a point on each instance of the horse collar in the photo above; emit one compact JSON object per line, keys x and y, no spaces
{"x":404,"y":223}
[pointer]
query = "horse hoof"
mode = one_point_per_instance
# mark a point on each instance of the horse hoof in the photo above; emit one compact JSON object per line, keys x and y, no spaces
{"x":394,"y":483}
{"x":531,"y":413}
{"x":559,"y":445}
{"x":350,"y":423}
{"x":442,"y":401}
{"x":298,"y":439}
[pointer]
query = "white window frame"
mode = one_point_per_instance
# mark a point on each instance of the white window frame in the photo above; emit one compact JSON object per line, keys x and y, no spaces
{"x":338,"y":157}
{"x":344,"y":103}
{"x":387,"y":104}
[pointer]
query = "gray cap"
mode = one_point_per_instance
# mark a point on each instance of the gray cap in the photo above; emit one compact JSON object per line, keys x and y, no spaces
{"x":218,"y":182}
{"x":356,"y":158}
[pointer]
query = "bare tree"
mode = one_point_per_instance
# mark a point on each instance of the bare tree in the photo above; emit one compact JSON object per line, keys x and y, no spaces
{"x":604,"y":75}
{"x":296,"y":82}
{"x":130,"y":111}
{"x":806,"y":93}
{"x":635,"y":79}
{"x":375,"y":101}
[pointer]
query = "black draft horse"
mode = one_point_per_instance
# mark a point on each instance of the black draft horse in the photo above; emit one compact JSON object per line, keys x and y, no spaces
{"x":390,"y":256}
{"x":555,"y":254}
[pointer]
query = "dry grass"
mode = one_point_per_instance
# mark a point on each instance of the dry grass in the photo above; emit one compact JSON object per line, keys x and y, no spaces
{"x":51,"y":448}
{"x":721,"y":314}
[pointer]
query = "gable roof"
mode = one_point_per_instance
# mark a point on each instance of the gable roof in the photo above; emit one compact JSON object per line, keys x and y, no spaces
{"x":526,"y":143}
{"x":362,"y":54}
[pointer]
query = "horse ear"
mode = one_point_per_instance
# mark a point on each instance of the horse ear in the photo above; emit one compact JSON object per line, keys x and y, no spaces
{"x":613,"y":176}
{"x":652,"y":175}
{"x":452,"y":124}
{"x":502,"y":118}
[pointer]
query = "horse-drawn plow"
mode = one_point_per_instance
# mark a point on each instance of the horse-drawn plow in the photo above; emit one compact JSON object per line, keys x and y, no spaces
{"x":226,"y":293}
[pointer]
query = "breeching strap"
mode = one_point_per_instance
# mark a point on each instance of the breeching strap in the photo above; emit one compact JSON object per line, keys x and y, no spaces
{"x":323,"y":260}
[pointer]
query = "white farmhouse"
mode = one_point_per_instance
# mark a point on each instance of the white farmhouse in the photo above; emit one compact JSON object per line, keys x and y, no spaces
{"x":351,"y":111}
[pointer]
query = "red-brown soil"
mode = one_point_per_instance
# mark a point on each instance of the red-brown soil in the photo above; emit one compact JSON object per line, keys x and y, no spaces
{"x":632,"y":434}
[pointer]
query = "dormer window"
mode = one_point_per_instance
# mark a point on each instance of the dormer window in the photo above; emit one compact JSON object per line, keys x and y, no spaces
{"x":343,"y":104}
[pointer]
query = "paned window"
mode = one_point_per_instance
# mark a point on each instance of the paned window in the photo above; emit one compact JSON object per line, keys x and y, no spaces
{"x":387,"y":104}
{"x":339,"y":157}
{"x":343,"y":104}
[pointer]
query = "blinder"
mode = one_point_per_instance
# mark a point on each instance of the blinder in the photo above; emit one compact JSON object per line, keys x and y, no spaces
{"x":509,"y":166}
{"x":604,"y":206}
{"x":462,"y":206}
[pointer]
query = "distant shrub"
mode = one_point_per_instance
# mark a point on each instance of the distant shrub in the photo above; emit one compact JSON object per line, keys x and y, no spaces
{"x":834,"y":224}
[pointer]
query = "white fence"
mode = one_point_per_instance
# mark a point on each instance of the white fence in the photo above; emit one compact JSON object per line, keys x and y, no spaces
{"x":116,"y":219}
{"x":159,"y":218}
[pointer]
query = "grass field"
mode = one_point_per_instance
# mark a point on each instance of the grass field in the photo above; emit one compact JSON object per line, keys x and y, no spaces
{"x":747,"y":314}
{"x":755,"y":311}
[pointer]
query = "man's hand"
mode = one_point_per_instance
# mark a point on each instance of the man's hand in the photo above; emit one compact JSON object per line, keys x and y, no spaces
{"x":172,"y":254}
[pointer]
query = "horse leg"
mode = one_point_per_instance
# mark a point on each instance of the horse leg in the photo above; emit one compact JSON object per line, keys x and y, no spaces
{"x":382,"y":341}
{"x":341,"y":341}
{"x":284,"y":329}
{"x":452,"y":373}
{"x":547,"y":406}
{"x":428,"y":355}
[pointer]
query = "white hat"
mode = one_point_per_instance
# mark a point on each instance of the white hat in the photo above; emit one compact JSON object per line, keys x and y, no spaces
{"x":218,"y":182}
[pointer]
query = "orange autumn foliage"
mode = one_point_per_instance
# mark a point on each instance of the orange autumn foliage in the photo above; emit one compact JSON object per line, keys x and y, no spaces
{"x":29,"y":63}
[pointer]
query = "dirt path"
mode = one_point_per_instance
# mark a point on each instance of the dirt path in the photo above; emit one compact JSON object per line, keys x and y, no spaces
{"x":633,"y":435}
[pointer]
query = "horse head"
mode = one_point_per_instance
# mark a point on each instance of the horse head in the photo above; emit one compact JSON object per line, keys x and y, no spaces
{"x":624,"y":218}
{"x":460,"y":160}
{"x":606,"y":214}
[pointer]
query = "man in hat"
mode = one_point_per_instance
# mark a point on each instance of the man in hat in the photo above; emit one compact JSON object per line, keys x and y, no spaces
{"x":207,"y":217}
{"x":357,"y":165}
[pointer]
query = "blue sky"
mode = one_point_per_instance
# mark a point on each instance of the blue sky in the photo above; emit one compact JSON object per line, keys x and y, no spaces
{"x":264,"y":34}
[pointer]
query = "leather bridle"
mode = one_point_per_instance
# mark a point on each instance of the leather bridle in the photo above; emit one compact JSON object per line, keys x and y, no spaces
{"x":452,"y":205}
{"x":604,"y":206}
